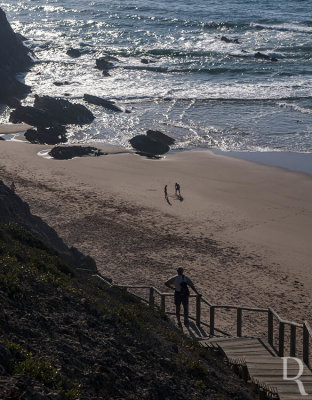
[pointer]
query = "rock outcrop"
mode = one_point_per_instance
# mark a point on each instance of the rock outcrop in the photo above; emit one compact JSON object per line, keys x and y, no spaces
{"x":48,"y":112}
{"x":63,"y":111}
{"x":53,"y":135}
{"x":146,"y":146}
{"x":31,"y":116}
{"x":14,"y":58}
{"x":153,"y":143}
{"x":99,"y":101}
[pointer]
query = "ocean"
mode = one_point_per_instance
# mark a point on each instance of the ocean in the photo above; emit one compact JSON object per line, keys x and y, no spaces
{"x":203,"y":91}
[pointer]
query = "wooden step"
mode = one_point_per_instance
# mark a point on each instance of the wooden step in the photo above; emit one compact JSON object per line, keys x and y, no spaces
{"x":239,"y":342}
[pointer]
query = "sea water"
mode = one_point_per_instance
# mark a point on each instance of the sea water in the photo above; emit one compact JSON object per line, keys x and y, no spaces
{"x":197,"y":88}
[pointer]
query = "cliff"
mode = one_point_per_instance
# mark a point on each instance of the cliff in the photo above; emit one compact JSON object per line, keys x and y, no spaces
{"x":14,"y":58}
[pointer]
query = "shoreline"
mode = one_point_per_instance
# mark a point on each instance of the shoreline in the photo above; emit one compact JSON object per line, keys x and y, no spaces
{"x":242,"y":230}
{"x":292,"y":161}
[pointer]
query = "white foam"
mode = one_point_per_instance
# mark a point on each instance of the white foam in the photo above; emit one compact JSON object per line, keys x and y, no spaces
{"x":45,"y":154}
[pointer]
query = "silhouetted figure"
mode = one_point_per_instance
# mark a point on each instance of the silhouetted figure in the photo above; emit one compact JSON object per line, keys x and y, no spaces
{"x":179,"y":284}
{"x":177,"y":189}
{"x":13,"y":187}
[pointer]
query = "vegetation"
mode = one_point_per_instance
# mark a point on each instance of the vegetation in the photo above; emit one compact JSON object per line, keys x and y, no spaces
{"x":70,"y":333}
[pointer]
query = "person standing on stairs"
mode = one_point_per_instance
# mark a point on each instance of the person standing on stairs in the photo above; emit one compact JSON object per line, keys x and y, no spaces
{"x":179,"y":284}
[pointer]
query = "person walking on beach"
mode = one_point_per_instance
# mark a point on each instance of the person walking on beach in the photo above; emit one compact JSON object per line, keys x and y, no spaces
{"x":179,"y":284}
{"x":177,"y":190}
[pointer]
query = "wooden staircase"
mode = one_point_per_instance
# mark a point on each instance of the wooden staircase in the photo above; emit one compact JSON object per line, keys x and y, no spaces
{"x":257,"y":362}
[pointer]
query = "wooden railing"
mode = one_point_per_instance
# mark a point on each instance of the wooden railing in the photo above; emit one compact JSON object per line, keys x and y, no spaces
{"x":202,"y":301}
{"x":293,"y":326}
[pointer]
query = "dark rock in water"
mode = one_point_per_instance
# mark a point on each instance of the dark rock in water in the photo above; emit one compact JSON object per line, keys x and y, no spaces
{"x":265,"y":56}
{"x":160,"y":137}
{"x":49,"y":111}
{"x":145,"y":145}
{"x":103,"y":63}
{"x":146,"y":61}
{"x":74,"y":53}
{"x":14,"y":58}
{"x":110,"y":58}
{"x":63,"y":112}
{"x":227,"y":40}
{"x":13,"y":102}
{"x":98,"y":101}
{"x":54,"y":135}
{"x":58,"y":83}
{"x":68,"y":152}
{"x":31,"y":116}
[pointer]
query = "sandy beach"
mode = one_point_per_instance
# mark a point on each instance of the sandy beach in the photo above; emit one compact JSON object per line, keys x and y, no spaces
{"x":13,"y":128}
{"x":242,"y":231}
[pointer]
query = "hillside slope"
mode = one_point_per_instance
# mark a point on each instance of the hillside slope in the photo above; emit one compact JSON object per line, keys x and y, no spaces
{"x":65,"y":335}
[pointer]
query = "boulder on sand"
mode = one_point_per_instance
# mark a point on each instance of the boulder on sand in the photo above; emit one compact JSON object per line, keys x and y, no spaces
{"x":99,"y":101}
{"x":54,"y":135}
{"x":68,"y":152}
{"x":158,"y":136}
{"x":145,"y":145}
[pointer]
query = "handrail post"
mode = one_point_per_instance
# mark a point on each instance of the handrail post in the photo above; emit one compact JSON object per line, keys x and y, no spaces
{"x":305,"y":344}
{"x":281,"y":337}
{"x":293,"y":341}
{"x":198,"y":301}
{"x":212,"y":320}
{"x":151,"y":297}
{"x":239,"y":322}
{"x":270,"y":327}
{"x":163,"y":303}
